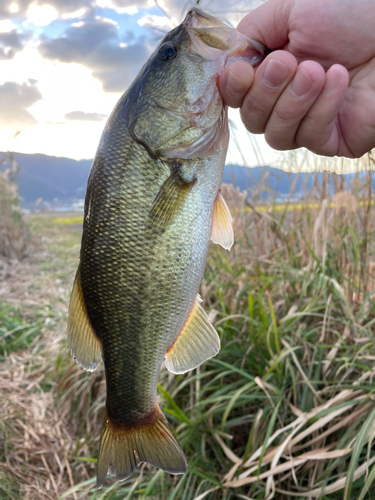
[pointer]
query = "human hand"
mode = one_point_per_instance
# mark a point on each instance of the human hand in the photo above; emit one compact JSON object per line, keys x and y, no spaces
{"x":290,"y":98}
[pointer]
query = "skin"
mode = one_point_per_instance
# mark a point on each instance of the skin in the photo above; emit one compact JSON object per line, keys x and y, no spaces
{"x":317,"y":89}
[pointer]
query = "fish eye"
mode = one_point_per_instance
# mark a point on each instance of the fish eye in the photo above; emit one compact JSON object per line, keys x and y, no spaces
{"x":168,"y":52}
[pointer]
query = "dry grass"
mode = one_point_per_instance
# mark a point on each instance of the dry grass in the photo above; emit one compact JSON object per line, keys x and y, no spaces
{"x":13,"y":231}
{"x":36,"y":427}
{"x":285,"y":411}
{"x":40,"y":429}
{"x":37,"y":436}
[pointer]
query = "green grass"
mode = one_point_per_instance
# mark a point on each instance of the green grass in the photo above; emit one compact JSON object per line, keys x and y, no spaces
{"x":287,"y":406}
{"x":295,"y":370}
{"x":15,"y":334}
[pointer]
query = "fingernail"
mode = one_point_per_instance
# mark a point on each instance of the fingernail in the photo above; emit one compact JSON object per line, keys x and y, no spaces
{"x":301,"y":83}
{"x":333,"y":82}
{"x":275,"y":74}
{"x":235,"y":84}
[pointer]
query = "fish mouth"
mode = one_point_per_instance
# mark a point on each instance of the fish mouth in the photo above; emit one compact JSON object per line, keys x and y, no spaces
{"x":196,"y":18}
{"x":211,"y":39}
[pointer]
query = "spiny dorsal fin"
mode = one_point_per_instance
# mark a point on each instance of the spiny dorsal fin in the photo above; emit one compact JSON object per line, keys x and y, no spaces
{"x":85,"y":346}
{"x":222,"y":230}
{"x":169,"y":201}
{"x":197,"y":342}
{"x":123,"y":448}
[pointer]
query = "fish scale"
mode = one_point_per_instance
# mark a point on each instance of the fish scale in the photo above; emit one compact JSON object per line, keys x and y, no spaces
{"x":153,"y":202}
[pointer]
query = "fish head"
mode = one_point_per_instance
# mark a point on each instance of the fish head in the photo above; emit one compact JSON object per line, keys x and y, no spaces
{"x":176,"y":109}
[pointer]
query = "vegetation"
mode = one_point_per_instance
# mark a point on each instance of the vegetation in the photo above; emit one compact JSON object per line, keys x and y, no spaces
{"x":286,"y":410}
{"x":13,"y":232}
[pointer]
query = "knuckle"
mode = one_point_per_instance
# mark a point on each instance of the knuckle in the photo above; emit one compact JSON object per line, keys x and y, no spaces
{"x":280,"y":139}
{"x":279,"y":144}
{"x":286,"y":115}
{"x":254,"y":115}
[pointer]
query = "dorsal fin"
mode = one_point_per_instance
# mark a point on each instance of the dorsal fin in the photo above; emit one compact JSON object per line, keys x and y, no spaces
{"x":197,"y":342}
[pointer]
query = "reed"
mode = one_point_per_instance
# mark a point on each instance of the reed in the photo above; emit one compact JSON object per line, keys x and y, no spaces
{"x":13,"y":231}
{"x":286,"y":410}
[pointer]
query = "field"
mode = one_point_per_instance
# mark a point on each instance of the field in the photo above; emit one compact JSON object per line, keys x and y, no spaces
{"x":286,"y":410}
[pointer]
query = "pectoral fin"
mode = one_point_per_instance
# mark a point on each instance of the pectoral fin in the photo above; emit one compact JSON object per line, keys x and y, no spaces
{"x":85,"y":346}
{"x":222,"y":230}
{"x":197,"y":342}
{"x":169,"y":201}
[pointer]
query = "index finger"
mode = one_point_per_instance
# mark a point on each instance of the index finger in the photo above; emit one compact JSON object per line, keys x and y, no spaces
{"x":268,"y":24}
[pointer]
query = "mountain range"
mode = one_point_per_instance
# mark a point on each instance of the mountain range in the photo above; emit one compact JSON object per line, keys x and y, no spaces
{"x":53,"y":181}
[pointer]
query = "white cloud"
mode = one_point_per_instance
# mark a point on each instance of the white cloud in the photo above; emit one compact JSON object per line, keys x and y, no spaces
{"x":69,"y":140}
{"x":6,"y":26}
{"x":83,"y":116}
{"x":41,"y":15}
{"x":73,"y":15}
{"x":110,"y":4}
{"x":158,"y":22}
{"x":107,"y":20}
{"x":12,"y":42}
{"x":64,"y":87}
{"x":128,"y":10}
{"x":229,"y":11}
{"x":15,"y":101}
{"x":97,"y":45}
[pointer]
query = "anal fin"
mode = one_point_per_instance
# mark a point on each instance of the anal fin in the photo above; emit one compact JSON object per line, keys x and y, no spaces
{"x":222,"y":230}
{"x":197,"y":342}
{"x":84,"y":345}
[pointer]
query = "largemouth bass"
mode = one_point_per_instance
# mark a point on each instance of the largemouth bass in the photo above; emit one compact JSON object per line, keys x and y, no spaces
{"x":152,"y":204}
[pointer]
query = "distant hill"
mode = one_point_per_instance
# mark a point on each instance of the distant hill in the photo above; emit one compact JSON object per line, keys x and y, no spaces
{"x":269,"y":180}
{"x":63,"y":180}
{"x":49,"y":177}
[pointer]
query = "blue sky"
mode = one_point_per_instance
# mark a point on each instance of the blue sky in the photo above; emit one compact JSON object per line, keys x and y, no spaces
{"x":65,"y":63}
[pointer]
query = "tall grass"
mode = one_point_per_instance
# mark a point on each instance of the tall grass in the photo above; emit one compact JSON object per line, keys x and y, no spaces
{"x":13,"y":231}
{"x":285,"y":410}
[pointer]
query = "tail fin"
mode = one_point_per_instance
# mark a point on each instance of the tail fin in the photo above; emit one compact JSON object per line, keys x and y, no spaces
{"x":122,"y":449}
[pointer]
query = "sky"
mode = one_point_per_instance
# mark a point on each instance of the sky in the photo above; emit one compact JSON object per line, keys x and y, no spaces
{"x":65,"y":63}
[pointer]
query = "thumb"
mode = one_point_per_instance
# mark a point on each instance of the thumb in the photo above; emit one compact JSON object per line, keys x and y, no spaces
{"x":269,"y":23}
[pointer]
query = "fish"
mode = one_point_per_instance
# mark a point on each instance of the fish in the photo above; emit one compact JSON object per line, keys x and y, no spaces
{"x":152,"y":204}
